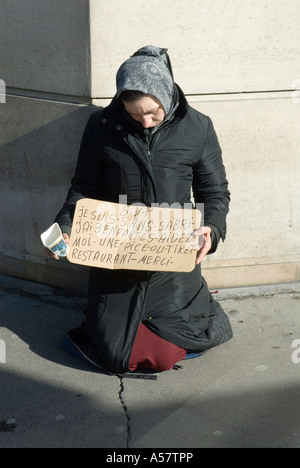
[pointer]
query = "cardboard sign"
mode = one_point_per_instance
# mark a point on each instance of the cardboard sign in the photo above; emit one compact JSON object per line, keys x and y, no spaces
{"x":117,"y":236}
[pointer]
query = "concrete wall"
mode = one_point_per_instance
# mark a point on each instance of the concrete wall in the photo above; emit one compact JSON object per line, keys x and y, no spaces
{"x":45,"y":63}
{"x":45,"y":46}
{"x":216,"y":46}
{"x":237,"y":62}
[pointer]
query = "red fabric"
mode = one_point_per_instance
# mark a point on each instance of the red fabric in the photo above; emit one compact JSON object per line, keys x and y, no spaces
{"x":150,"y":351}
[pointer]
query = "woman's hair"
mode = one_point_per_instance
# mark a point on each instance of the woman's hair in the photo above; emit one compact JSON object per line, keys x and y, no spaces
{"x":131,"y":95}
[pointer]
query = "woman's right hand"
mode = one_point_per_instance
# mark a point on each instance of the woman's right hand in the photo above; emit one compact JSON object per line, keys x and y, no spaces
{"x":51,"y":254}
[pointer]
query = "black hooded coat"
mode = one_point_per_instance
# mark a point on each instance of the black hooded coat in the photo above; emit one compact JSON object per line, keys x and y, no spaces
{"x":182,"y":158}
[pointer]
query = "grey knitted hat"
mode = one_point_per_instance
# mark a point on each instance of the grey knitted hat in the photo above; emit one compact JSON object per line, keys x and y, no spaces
{"x":149,"y":71}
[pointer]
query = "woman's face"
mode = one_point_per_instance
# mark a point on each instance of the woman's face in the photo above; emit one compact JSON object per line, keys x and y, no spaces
{"x":146,"y":110}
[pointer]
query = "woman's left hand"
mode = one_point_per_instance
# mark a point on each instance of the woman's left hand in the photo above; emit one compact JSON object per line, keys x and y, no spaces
{"x":204,"y":234}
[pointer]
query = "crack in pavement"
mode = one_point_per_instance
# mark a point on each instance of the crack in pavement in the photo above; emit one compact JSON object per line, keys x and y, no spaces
{"x":125,"y":411}
{"x":149,"y":376}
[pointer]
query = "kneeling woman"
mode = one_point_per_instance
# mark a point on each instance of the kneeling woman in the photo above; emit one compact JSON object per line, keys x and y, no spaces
{"x":150,"y":145}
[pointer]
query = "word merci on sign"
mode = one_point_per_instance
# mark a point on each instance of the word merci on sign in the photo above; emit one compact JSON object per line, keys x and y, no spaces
{"x":117,"y":236}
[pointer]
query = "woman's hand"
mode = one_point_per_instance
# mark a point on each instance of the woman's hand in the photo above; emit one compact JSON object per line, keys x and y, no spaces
{"x":204,"y":234}
{"x":51,"y":254}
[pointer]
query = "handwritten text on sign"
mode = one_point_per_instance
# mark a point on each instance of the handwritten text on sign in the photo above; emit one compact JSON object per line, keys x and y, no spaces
{"x":116,"y":236}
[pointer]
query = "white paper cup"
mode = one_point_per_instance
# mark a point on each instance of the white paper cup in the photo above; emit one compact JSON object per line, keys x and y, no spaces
{"x":54,"y":241}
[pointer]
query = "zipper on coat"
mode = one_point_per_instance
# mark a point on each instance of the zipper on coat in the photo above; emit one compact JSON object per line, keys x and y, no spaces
{"x":148,"y":140}
{"x":147,"y":144}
